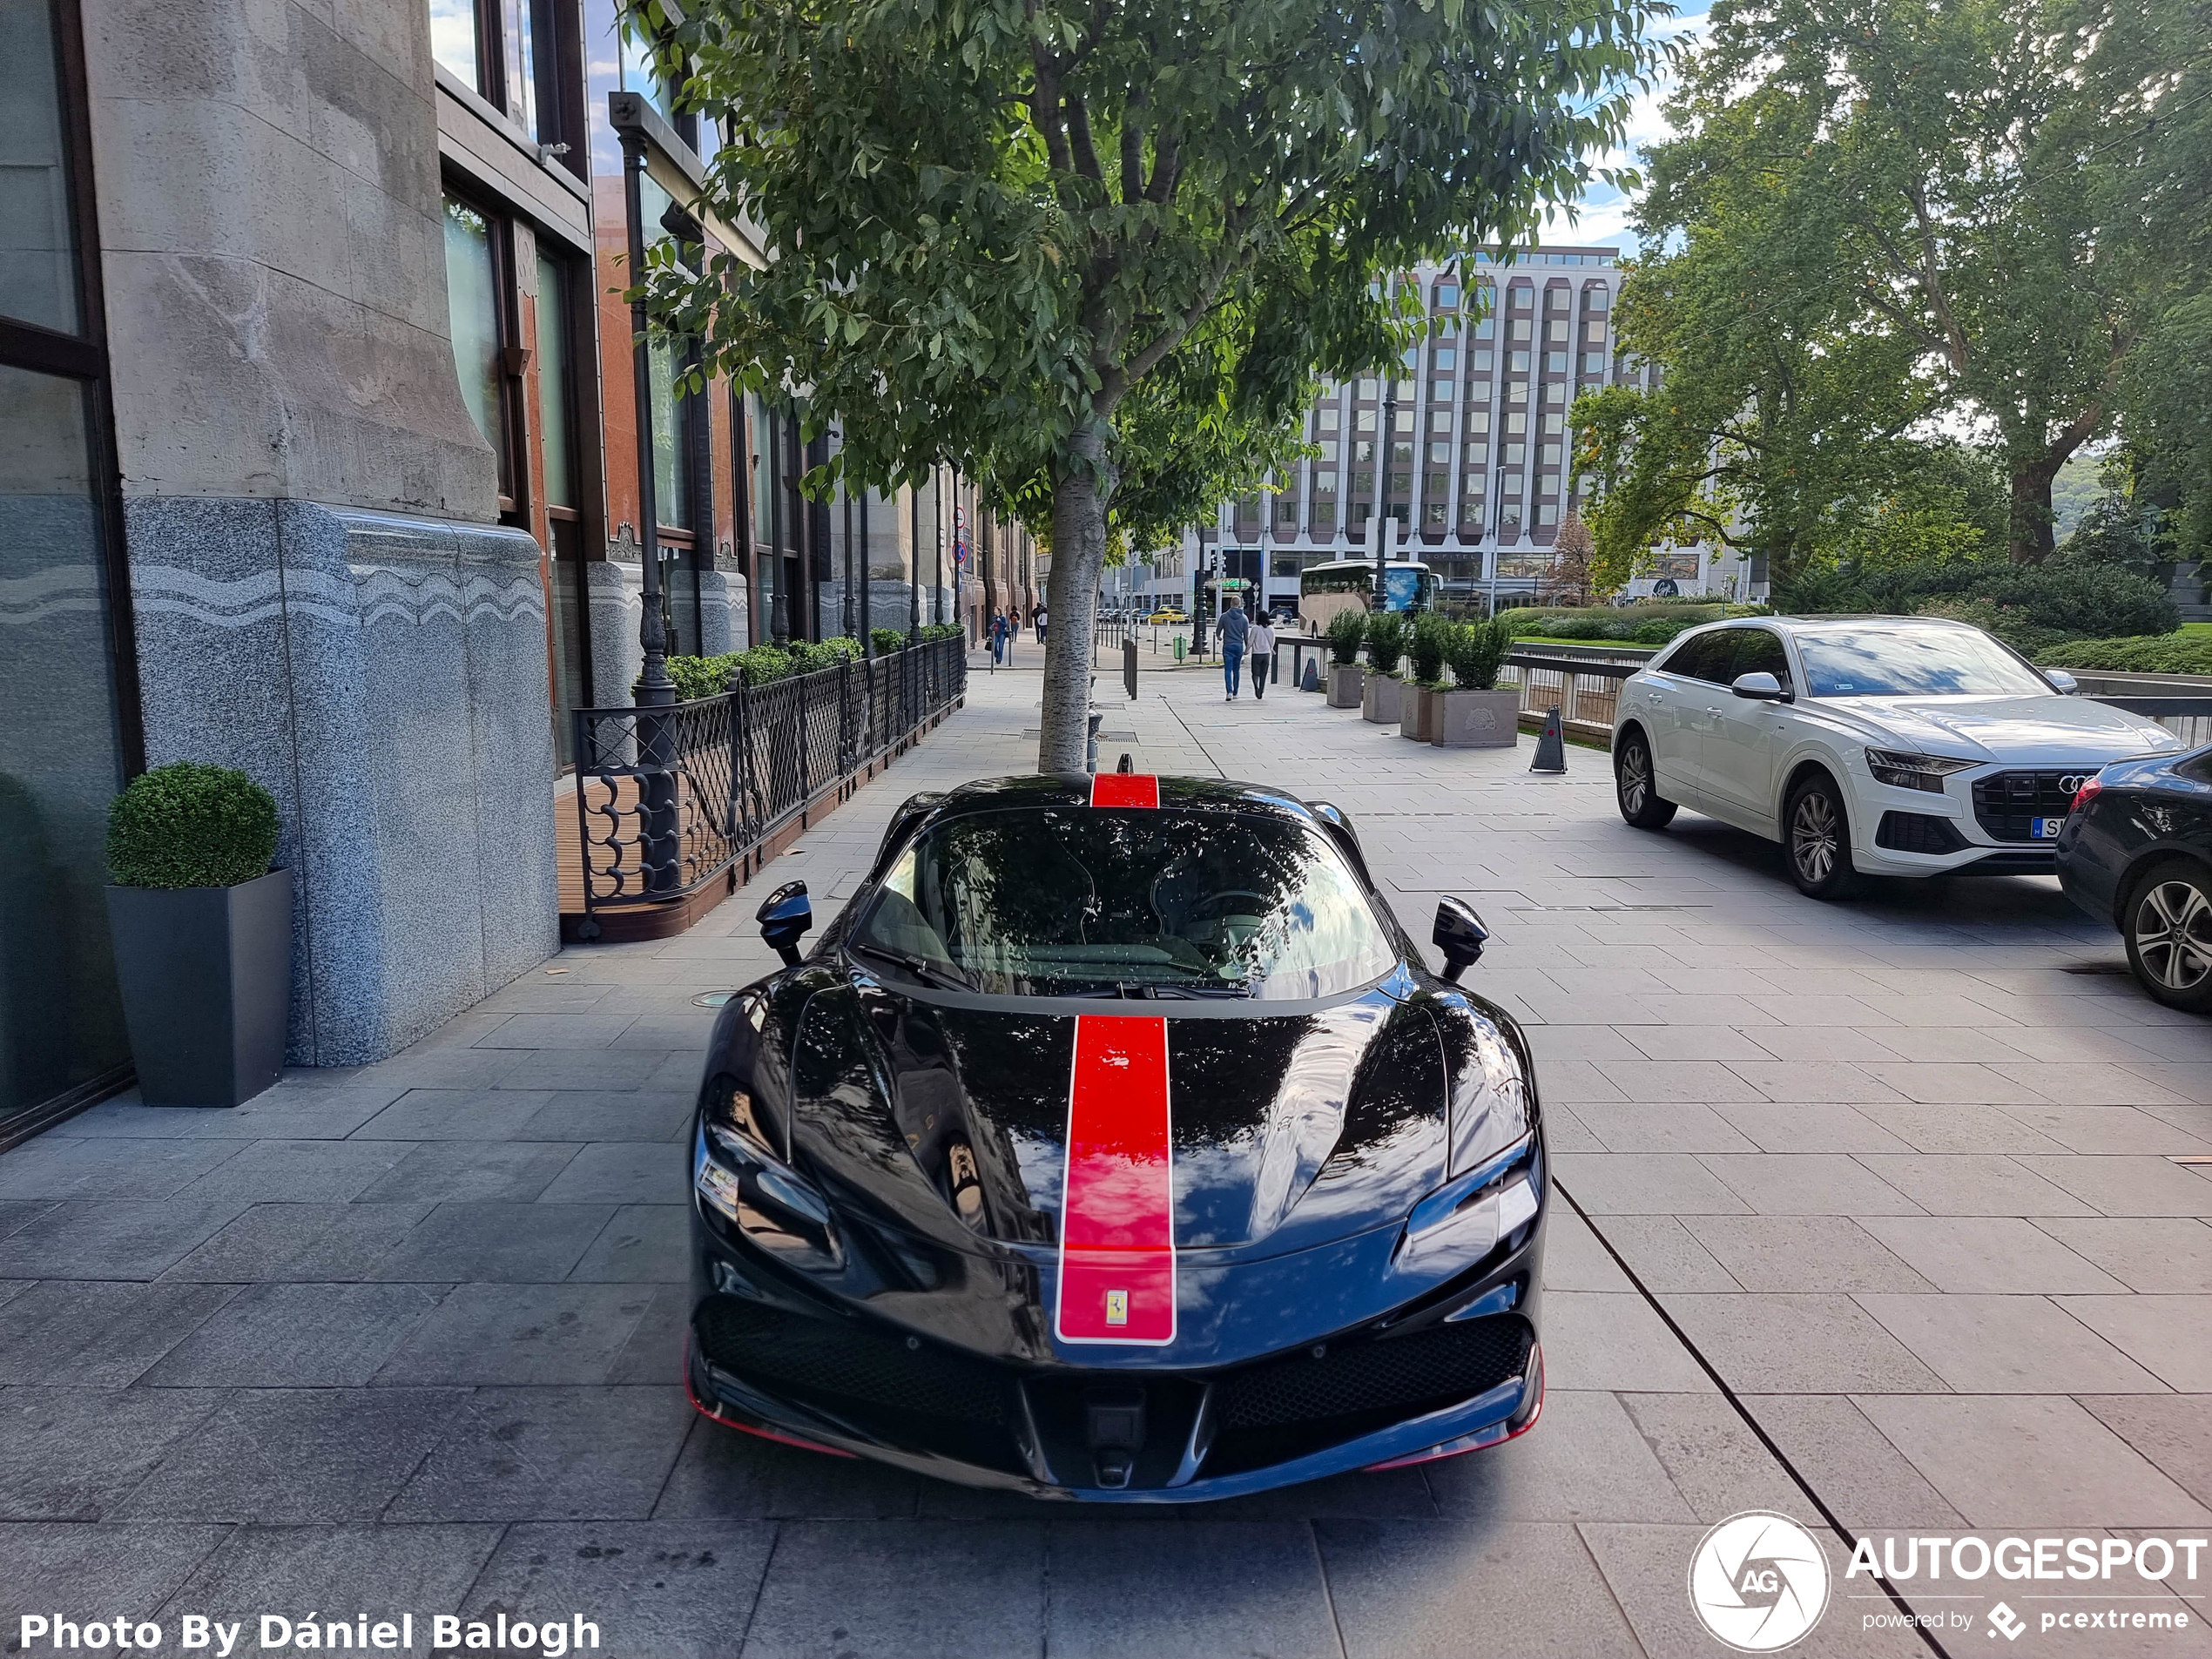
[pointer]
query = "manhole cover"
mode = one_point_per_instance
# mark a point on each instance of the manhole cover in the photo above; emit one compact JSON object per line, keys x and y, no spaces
{"x":712,"y":999}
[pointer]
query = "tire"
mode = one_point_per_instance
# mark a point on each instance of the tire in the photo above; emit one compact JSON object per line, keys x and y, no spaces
{"x":1816,"y":837}
{"x":1634,"y":784}
{"x":2167,"y":924}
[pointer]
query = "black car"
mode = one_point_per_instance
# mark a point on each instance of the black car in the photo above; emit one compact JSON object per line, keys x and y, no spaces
{"x":2137,"y":851}
{"x":1116,"y":1143}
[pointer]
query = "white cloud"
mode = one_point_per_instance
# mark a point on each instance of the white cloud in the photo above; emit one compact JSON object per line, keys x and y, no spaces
{"x":1603,"y":211}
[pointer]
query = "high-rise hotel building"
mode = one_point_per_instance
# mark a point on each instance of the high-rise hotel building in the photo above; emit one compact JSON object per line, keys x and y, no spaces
{"x":1480,"y":474}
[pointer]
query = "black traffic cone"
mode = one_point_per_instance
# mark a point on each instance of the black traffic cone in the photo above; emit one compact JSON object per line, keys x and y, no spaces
{"x":1313,"y":680}
{"x":1551,"y":745}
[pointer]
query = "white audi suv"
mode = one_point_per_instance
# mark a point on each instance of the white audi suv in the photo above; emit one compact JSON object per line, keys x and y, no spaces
{"x":1884,"y":746}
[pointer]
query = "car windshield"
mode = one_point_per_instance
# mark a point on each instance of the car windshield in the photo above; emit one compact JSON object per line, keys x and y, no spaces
{"x":1088,"y":901}
{"x":1915,"y":661}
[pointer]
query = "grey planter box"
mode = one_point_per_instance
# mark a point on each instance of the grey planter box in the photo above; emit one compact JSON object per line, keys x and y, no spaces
{"x":205,"y":974}
{"x":1477,"y":720}
{"x":1346,"y":681}
{"x":1379,"y":700}
{"x":1418,"y":709}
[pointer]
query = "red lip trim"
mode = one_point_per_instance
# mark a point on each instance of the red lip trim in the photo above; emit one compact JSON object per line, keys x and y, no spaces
{"x":1117,"y":1200}
{"x":1125,"y":789}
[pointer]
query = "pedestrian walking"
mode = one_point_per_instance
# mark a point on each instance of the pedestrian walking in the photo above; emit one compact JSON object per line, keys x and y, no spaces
{"x":1041,"y":622}
{"x":1262,"y":642}
{"x":1236,"y":628}
{"x":998,"y":638}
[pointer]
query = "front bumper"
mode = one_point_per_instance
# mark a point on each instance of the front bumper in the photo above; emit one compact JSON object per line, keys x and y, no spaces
{"x":1036,"y":1452}
{"x":1976,"y":825}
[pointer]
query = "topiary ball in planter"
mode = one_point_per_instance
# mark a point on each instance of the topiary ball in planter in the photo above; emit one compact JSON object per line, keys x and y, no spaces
{"x":203,"y":934}
{"x":189,"y":826}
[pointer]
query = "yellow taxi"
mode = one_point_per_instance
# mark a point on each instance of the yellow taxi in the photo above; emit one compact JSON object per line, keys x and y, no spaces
{"x":1167,"y":615}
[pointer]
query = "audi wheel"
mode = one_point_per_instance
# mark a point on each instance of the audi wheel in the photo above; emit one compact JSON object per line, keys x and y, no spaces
{"x":1817,"y":834}
{"x":1635,"y":784}
{"x":2167,"y":924}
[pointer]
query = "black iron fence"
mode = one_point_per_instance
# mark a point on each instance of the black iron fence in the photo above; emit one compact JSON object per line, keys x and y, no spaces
{"x":668,"y":800}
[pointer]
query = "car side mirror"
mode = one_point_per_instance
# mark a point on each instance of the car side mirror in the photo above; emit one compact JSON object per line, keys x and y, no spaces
{"x":2061,"y":682}
{"x":785,"y":917}
{"x":1460,"y":935}
{"x":1760,"y":688}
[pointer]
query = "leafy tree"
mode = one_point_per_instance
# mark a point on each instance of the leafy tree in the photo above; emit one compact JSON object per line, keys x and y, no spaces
{"x":1022,"y":234}
{"x":1973,"y":175}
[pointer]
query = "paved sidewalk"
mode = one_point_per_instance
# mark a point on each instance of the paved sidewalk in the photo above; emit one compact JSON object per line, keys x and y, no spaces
{"x":1897,"y":1173}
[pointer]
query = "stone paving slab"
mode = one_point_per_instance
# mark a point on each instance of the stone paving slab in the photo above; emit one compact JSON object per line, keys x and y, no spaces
{"x":1879,"y":1199}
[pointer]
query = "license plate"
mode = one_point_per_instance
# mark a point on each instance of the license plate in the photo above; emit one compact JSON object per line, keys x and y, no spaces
{"x":2046,"y":829}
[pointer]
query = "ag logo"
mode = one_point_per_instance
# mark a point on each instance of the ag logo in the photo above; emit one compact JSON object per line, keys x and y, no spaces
{"x":1758,"y":1582}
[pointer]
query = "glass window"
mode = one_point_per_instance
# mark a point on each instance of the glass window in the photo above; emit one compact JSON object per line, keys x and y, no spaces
{"x":518,"y":65}
{"x":472,"y":297}
{"x":38,"y":239}
{"x":555,"y":385}
{"x":60,"y":754}
{"x":453,"y":39}
{"x":1915,"y":661}
{"x":1705,"y":657}
{"x":667,"y":358}
{"x":1165,"y":903}
{"x":1761,"y":653}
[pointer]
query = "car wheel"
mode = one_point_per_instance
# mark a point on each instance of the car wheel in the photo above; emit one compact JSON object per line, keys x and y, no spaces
{"x":1817,"y":835}
{"x":2167,"y":924}
{"x":1635,"y":784}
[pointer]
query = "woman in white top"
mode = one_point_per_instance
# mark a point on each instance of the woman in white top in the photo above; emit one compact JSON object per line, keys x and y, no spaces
{"x":1261,"y":645}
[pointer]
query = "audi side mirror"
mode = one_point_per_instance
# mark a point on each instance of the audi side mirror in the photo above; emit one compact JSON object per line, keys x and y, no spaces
{"x":2061,"y":682}
{"x":785,"y":917}
{"x":1460,"y":935}
{"x":1760,"y":688}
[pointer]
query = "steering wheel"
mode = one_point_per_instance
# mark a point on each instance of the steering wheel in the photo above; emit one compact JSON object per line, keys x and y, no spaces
{"x":1215,"y":903}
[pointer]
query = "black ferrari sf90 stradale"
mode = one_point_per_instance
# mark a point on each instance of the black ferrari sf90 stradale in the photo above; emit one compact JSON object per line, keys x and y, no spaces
{"x":1116,"y":1143}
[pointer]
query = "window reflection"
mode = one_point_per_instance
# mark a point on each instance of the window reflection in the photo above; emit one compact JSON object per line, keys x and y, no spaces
{"x":37,"y":240}
{"x":1068,"y":902}
{"x":472,"y":298}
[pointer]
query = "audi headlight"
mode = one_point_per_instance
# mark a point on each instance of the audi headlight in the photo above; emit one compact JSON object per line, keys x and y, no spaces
{"x":1902,"y":770}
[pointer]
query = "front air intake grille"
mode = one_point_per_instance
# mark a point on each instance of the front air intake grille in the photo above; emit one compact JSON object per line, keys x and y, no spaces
{"x":1917,"y":832}
{"x":2007,"y":804}
{"x":839,"y":1359}
{"x":1284,"y":1408}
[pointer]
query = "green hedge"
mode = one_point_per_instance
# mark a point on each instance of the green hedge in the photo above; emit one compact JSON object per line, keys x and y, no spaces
{"x":887,"y":640}
{"x":1347,"y":632}
{"x":1385,"y":640}
{"x":700,"y":676}
{"x":189,"y":826}
{"x":2030,"y":607}
{"x":1646,"y":622}
{"x":1475,"y":651}
{"x":2161,"y":654}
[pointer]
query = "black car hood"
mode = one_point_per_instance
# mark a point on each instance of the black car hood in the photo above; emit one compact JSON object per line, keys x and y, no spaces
{"x":1286,"y":1130}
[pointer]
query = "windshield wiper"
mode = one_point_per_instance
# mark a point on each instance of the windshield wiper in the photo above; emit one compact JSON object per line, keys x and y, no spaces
{"x":943,"y":975}
{"x":1140,"y":989}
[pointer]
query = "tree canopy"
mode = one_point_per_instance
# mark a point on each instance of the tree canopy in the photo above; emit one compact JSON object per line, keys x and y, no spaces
{"x":1883,"y":219}
{"x":1085,"y":246}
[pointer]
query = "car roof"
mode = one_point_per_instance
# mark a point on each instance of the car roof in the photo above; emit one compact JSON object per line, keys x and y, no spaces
{"x":1073,"y":789}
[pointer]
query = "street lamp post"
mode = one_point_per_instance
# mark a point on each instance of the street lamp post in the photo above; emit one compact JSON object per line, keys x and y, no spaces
{"x":654,"y":690}
{"x":1387,"y":440}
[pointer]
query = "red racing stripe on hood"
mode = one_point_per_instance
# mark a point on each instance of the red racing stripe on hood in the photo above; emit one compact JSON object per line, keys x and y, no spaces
{"x":1117,"y":1202}
{"x":1125,"y":789}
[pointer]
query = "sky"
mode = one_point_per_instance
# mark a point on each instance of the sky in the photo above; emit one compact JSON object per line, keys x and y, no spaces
{"x":1601,"y":217}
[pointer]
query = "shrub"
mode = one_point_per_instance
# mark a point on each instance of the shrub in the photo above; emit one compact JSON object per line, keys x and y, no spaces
{"x":1347,"y":632}
{"x":189,"y":826}
{"x":2168,"y":654}
{"x":698,"y":677}
{"x":1385,"y":640}
{"x":1660,"y":630}
{"x":942,"y":630}
{"x":809,"y":655}
{"x":1431,"y":641}
{"x":1478,"y":649}
{"x":2031,"y":606}
{"x":765,"y":663}
{"x":887,"y":640}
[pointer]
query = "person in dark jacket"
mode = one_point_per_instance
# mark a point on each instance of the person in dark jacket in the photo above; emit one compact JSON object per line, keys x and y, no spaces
{"x":1236,"y":628}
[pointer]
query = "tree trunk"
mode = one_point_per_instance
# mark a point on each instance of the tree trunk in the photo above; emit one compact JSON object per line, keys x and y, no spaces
{"x":2032,"y":538}
{"x":1079,"y":498}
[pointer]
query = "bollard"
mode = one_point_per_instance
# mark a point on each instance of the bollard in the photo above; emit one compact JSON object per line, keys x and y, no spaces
{"x":1090,"y":749}
{"x":1551,"y":745}
{"x":1178,"y":648}
{"x":1313,"y":680}
{"x":1127,"y":764}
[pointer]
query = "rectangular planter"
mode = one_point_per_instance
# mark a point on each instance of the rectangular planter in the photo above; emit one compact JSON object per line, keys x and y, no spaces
{"x":1379,"y":700}
{"x":1346,"y":681}
{"x":205,"y":974}
{"x":1417,"y":707}
{"x":1478,"y":720}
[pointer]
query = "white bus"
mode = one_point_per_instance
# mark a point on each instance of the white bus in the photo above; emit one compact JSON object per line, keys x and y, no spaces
{"x":1349,"y":584}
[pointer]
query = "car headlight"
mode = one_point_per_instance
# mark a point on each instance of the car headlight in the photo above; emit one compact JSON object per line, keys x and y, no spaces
{"x":1456,"y":1226}
{"x":738,"y":1176}
{"x":1902,"y":770}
